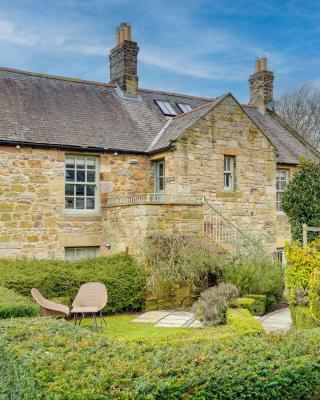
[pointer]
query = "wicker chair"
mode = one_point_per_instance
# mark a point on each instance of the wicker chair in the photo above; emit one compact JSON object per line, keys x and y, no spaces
{"x":91,"y":299}
{"x":49,"y":308}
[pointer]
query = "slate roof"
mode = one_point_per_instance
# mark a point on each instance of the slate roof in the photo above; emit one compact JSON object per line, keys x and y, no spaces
{"x":45,"y":110}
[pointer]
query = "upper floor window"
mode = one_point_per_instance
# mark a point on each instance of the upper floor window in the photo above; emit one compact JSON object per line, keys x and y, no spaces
{"x":81,"y":183}
{"x":282,"y":182}
{"x":229,"y":172}
{"x":166,"y":108}
{"x":77,"y":253}
{"x":159,"y":176}
{"x":184,"y":107}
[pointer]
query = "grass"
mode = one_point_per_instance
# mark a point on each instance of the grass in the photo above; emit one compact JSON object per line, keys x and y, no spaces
{"x":121,"y":328}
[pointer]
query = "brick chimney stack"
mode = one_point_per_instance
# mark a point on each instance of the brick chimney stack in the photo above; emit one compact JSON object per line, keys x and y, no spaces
{"x":124,"y":60}
{"x":261,"y":85}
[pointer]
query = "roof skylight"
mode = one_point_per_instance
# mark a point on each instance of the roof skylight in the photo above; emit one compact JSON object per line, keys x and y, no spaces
{"x":166,"y":108}
{"x":184,"y":107}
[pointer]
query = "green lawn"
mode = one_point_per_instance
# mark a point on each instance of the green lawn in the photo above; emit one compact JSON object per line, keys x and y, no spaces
{"x":121,"y":327}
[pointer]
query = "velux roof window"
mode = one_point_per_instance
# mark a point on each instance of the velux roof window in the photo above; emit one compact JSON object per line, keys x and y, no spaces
{"x":184,"y":107}
{"x":166,"y":108}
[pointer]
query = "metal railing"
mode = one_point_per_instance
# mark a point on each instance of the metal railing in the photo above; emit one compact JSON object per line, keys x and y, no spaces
{"x":224,"y":232}
{"x":154,"y":198}
{"x":215,"y":225}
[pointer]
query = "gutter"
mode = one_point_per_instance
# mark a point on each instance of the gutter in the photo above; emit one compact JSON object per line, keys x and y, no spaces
{"x":69,"y":147}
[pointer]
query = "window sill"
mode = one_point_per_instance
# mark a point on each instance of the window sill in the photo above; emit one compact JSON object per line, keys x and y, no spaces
{"x":229,"y":194}
{"x":281,"y":214}
{"x":82,"y":216}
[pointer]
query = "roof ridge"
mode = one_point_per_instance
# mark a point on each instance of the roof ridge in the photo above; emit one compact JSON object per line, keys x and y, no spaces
{"x":176,"y":94}
{"x":56,"y":77}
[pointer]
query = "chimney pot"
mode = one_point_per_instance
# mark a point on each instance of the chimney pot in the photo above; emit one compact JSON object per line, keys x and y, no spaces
{"x":257,"y":65}
{"x":263,"y":64}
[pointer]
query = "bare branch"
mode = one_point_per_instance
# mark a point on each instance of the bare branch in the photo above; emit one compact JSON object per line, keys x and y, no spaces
{"x":301,"y":110}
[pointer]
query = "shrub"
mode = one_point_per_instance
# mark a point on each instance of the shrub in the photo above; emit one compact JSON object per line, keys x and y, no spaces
{"x":125,"y":280}
{"x":314,"y":293}
{"x":300,"y":200}
{"x":211,"y":308}
{"x":302,"y":317}
{"x":271,"y":302}
{"x":14,"y":305}
{"x":256,"y":304}
{"x":183,"y":259}
{"x":256,"y":273}
{"x":40,"y":359}
{"x":301,"y":262}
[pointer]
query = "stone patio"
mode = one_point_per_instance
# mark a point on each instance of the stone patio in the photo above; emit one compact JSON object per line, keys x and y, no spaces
{"x":277,"y":321}
{"x":170,"y":319}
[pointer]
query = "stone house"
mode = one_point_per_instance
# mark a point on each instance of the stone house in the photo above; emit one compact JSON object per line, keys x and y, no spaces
{"x":90,"y":168}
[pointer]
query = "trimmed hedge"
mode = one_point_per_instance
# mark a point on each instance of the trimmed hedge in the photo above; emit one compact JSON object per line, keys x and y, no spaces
{"x":302,"y":318}
{"x":255,"y":303}
{"x":14,"y":305}
{"x":53,"y":360}
{"x":125,"y":280}
{"x":271,"y":302}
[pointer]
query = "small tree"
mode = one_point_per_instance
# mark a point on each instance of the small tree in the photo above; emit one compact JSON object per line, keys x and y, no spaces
{"x":301,"y":199}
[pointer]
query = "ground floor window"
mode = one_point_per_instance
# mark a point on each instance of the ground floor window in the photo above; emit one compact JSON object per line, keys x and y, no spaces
{"x":77,"y":253}
{"x":281,"y":256}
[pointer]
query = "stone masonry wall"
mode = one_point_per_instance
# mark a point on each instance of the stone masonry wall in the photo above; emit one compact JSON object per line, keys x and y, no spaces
{"x":33,"y":222}
{"x":126,"y":227}
{"x":197,"y":166}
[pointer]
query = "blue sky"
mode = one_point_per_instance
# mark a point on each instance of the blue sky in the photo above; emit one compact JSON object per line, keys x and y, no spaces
{"x":201,"y":47}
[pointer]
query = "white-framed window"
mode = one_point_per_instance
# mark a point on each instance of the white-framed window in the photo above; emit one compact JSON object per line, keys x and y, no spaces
{"x":229,"y":172}
{"x":159,"y":176}
{"x":77,"y":253}
{"x":184,"y":107}
{"x":282,"y":182}
{"x":281,"y":258}
{"x":166,"y":108}
{"x":81,"y":183}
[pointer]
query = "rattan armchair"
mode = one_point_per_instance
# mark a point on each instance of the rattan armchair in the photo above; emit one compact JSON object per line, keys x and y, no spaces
{"x":90,"y":300}
{"x":49,"y":308}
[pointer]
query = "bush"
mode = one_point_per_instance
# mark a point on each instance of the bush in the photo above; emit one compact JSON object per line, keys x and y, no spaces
{"x":302,"y":318}
{"x":301,"y":199}
{"x":211,"y":308}
{"x":314,"y":293}
{"x":125,"y":280}
{"x":255,"y":303}
{"x":186,"y":260}
{"x":257,"y":273}
{"x":14,"y":305}
{"x":40,"y":359}
{"x":301,"y":262}
{"x":271,"y":302}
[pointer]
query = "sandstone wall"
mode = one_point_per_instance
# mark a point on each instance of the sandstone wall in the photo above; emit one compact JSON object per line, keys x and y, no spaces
{"x":197,"y":167}
{"x":126,"y":227}
{"x":33,"y":222}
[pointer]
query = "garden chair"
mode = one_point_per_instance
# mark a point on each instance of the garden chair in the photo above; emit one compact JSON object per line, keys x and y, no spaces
{"x":91,"y":299}
{"x":49,"y":308}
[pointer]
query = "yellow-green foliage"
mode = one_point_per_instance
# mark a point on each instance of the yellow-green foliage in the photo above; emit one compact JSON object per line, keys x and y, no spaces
{"x":256,"y":304}
{"x":302,"y":317}
{"x":314,"y":293}
{"x":301,"y":263}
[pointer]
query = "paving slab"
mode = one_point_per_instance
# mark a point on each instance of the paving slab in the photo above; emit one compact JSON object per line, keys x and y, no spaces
{"x":277,"y":321}
{"x":151,"y":316}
